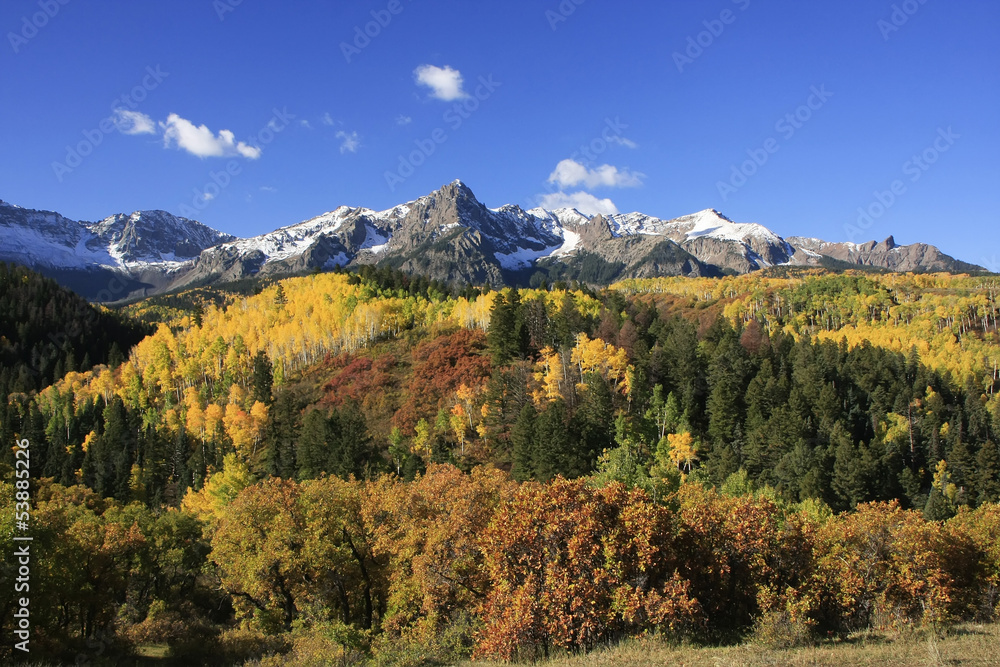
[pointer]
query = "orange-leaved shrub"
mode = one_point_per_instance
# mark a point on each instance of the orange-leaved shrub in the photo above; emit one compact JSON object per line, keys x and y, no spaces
{"x":572,"y":566}
{"x":886,"y":567}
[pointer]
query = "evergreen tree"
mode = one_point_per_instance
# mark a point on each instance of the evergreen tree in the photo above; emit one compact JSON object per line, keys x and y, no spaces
{"x":263,"y":378}
{"x":727,"y":377}
{"x":108,"y":461}
{"x":312,"y":448}
{"x":552,"y":442}
{"x":536,"y":321}
{"x":522,"y":440}
{"x":977,"y":418}
{"x":508,"y":335}
{"x":988,"y":474}
{"x":567,"y":322}
{"x":937,"y":508}
{"x":852,"y":472}
{"x":961,"y":464}
{"x":593,"y":424}
{"x":281,"y":436}
{"x":350,"y":447}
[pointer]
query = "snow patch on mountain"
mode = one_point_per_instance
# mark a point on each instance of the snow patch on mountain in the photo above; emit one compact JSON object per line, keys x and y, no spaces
{"x":522,"y":258}
{"x":40,"y":247}
{"x":375,"y":240}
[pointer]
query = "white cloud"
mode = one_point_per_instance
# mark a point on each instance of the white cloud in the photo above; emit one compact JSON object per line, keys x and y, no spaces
{"x":268,"y":188}
{"x":327,"y":119}
{"x":622,"y":141}
{"x":349,"y":141}
{"x":207,"y":196}
{"x":582,"y":201}
{"x":445,"y":83}
{"x":133,"y":122}
{"x":306,"y":124}
{"x":570,"y":173}
{"x":403,"y":120}
{"x":199,"y":140}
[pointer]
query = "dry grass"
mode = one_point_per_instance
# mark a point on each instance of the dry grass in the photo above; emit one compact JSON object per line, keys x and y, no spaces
{"x":965,"y":645}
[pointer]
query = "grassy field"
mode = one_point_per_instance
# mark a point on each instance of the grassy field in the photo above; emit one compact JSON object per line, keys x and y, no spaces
{"x":965,"y":645}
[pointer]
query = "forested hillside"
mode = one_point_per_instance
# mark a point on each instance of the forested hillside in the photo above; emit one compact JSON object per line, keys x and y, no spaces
{"x":386,"y":465}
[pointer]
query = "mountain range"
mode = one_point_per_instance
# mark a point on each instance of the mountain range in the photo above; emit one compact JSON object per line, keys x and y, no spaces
{"x":448,"y":235}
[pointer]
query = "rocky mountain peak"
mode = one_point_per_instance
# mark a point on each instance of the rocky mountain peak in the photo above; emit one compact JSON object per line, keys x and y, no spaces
{"x":447,"y":234}
{"x":151,"y":236}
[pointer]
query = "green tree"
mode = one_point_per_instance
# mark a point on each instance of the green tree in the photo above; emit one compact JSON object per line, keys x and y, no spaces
{"x":552,"y":442}
{"x":350,"y":450}
{"x":727,"y":378}
{"x":507,"y":336}
{"x":988,"y":474}
{"x":263,"y":378}
{"x":281,"y":435}
{"x":522,"y":439}
{"x":312,"y":448}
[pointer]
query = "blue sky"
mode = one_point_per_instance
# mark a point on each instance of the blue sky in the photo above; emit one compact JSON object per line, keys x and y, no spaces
{"x":792,"y":114}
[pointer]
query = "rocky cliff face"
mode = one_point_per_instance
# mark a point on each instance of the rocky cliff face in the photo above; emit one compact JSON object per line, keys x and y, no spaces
{"x":448,"y":234}
{"x":887,"y":255}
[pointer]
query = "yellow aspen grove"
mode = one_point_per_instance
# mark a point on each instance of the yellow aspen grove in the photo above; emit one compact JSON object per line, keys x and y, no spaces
{"x":422,"y":440}
{"x":597,"y":356}
{"x":683,"y":450}
{"x":239,"y":429}
{"x":213,"y":421}
{"x":550,"y":375}
{"x":258,"y":420}
{"x":457,"y":422}
{"x":194,"y":421}
{"x":466,"y":396}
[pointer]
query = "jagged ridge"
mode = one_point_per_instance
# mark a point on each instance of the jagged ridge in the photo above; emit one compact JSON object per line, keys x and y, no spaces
{"x":448,"y":235}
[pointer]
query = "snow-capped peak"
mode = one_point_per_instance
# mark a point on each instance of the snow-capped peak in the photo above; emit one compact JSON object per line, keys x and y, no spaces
{"x":712,"y":224}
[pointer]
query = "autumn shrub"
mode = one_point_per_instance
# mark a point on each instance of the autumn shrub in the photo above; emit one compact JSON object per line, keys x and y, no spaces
{"x":431,"y":640}
{"x":238,"y":645}
{"x":361,"y":380}
{"x":743,"y":556}
{"x":289,"y":552}
{"x":427,"y":532}
{"x":885,"y":567}
{"x":441,"y":366}
{"x":162,"y":625}
{"x":317,"y":646}
{"x":982,"y":527}
{"x":782,"y":629}
{"x":572,"y":566}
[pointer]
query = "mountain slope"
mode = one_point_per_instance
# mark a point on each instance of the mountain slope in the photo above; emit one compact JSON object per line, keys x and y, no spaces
{"x":46,"y":331}
{"x":106,"y":260}
{"x":447,"y":235}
